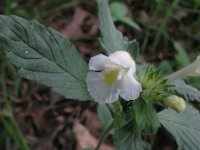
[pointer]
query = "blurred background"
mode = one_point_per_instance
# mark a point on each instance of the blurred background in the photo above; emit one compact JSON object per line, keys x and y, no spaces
{"x":31,"y":114}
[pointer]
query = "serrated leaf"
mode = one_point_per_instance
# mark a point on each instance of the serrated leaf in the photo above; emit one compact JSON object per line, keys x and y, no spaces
{"x":126,"y":138}
{"x":119,"y":117}
{"x":190,"y":93}
{"x":184,"y":127}
{"x":145,"y":117}
{"x":45,"y":56}
{"x":112,"y":40}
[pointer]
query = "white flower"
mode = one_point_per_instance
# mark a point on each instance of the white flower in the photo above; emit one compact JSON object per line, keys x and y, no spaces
{"x":192,"y":69}
{"x":111,"y":76}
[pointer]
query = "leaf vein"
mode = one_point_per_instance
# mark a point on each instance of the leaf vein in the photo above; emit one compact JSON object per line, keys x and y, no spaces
{"x":46,"y":57}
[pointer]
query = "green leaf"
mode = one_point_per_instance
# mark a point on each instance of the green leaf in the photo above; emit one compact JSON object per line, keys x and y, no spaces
{"x":133,"y":48}
{"x":165,"y":67}
{"x":104,"y":115}
{"x":44,"y":55}
{"x":194,"y":81}
{"x":145,"y":117}
{"x":130,"y":23}
{"x":119,"y":12}
{"x":190,"y":93}
{"x":181,"y":56}
{"x":112,"y":40}
{"x":119,"y":116}
{"x":184,"y":127}
{"x":118,"y":9}
{"x":126,"y":138}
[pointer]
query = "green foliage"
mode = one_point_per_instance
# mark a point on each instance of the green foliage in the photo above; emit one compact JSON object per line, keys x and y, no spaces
{"x":9,"y":130}
{"x":119,"y":12}
{"x":139,"y":119}
{"x":43,"y":55}
{"x":147,"y":75}
{"x":119,"y":115}
{"x":162,"y":29}
{"x":127,"y":139}
{"x":133,"y":48}
{"x":184,"y":127}
{"x":10,"y":125}
{"x":153,"y":84}
{"x":145,"y":117}
{"x":190,"y":93}
{"x":112,"y":40}
{"x":150,"y":77}
{"x":104,"y":115}
{"x":194,"y":81}
{"x":165,"y":67}
{"x":181,"y":56}
{"x":8,"y":7}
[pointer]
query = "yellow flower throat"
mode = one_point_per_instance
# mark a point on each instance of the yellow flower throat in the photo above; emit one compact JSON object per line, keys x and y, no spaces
{"x":110,"y":76}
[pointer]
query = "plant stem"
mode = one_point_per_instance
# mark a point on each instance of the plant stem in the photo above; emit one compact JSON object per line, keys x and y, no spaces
{"x":8,"y":7}
{"x":104,"y":134}
{"x":110,"y":109}
{"x":146,"y":39}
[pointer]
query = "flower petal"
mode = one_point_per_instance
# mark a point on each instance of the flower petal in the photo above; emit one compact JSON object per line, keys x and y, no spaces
{"x":198,"y":71}
{"x":192,"y":69}
{"x":130,"y":88}
{"x":197,"y":67}
{"x":97,"y":62}
{"x":99,"y":90}
{"x":123,"y":59}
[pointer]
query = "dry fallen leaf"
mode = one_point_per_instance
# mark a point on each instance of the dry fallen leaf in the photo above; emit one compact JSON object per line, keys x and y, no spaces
{"x":82,"y":23}
{"x":85,"y":139}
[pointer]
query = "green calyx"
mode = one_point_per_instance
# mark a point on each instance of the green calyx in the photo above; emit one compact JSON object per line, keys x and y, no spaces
{"x":153,"y":85}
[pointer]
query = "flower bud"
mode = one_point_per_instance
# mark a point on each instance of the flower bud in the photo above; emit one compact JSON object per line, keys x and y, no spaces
{"x":175,"y":102}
